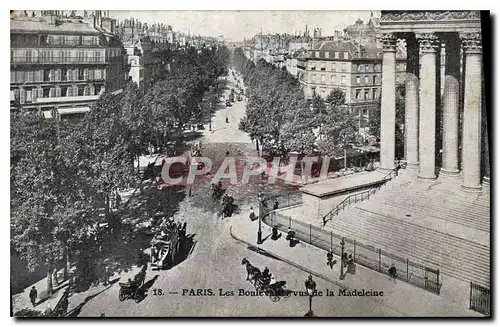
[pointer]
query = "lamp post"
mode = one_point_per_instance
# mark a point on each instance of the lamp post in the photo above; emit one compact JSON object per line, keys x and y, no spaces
{"x":311,"y":288}
{"x":259,"y":232}
{"x":342,"y":244}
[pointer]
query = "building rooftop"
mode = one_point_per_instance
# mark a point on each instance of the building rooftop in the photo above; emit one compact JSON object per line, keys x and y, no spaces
{"x":51,"y":25}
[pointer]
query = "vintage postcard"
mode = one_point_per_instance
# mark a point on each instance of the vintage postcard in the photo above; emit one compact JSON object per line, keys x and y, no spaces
{"x":249,"y":164}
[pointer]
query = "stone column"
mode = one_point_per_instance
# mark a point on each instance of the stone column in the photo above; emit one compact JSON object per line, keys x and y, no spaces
{"x":429,"y":44}
{"x":471,"y":152}
{"x":388,"y":104}
{"x":451,"y":107}
{"x":411,"y":102}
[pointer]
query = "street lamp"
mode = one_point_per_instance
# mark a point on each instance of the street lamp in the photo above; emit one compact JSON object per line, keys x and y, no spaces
{"x":311,"y":288}
{"x":259,"y":232}
{"x":342,"y":244}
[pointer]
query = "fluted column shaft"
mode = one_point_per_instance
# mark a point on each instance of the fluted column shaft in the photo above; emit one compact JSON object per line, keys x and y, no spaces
{"x":411,"y":102}
{"x":388,"y":104}
{"x":429,"y":45}
{"x":471,"y":153}
{"x":451,"y":107}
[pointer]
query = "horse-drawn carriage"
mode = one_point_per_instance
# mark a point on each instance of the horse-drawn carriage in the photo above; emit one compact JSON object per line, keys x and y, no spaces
{"x":166,"y":245}
{"x":266,"y":283}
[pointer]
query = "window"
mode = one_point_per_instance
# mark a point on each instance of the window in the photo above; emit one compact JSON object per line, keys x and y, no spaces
{"x":358,"y":94}
{"x":317,"y":54}
{"x":327,"y":54}
{"x":58,"y":75}
{"x":86,"y":91}
{"x":98,"y":74}
{"x":39,"y":76}
{"x":367,"y":68}
{"x":333,"y":79}
{"x":69,"y":91}
{"x":344,"y":68}
{"x":81,"y":56}
{"x":52,"y":92}
{"x":46,"y":92}
{"x":92,"y":90}
{"x":28,"y":96}
{"x":12,"y":76}
{"x":374,"y":93}
{"x":334,"y":67}
{"x":85,"y":74}
{"x":22,"y":96}
{"x":58,"y":91}
{"x":313,"y":66}
{"x":367,"y":94}
{"x":69,"y":75}
{"x":19,"y":77}
{"x":323,"y":66}
{"x":367,"y":80}
{"x":374,"y":80}
{"x":358,"y":80}
{"x":346,"y":55}
{"x":29,"y":56}
{"x":377,"y":67}
{"x":34,"y":94}
{"x":91,"y":74}
{"x":343,"y":80}
{"x":337,"y":55}
{"x":322,"y":78}
{"x":358,"y":68}
{"x":75,"y":74}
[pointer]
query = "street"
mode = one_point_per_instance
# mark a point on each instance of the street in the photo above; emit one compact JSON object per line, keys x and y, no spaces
{"x":216,"y":259}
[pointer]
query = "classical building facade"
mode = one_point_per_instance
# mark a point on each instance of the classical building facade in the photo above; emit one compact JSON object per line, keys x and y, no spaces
{"x":62,"y":62}
{"x":444,"y":135}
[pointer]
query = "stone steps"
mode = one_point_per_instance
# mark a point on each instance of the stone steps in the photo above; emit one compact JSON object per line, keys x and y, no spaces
{"x":455,"y":257}
{"x":444,"y":206}
{"x":424,"y":207}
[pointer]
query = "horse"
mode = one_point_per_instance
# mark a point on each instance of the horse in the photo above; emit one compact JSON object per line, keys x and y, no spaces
{"x":252,"y":271}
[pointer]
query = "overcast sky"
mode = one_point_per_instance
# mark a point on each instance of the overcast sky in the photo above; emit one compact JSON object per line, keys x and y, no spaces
{"x":235,"y":25}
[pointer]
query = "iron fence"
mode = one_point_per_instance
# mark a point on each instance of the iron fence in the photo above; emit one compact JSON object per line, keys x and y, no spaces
{"x":480,"y":298}
{"x":365,"y":255}
{"x":291,"y":199}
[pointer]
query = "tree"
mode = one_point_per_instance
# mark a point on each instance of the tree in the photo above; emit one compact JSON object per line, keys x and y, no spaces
{"x":38,"y":190}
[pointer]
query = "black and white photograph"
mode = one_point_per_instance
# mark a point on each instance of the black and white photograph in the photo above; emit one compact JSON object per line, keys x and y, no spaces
{"x":250,"y":163}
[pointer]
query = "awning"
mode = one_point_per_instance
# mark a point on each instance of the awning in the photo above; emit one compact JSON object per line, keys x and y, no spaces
{"x":70,"y":111}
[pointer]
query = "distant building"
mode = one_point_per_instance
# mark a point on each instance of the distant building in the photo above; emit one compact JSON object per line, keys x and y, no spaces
{"x":61,"y":62}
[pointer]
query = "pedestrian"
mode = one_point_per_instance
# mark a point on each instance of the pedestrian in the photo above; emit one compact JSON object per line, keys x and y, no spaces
{"x":393,"y":273}
{"x":252,"y":214}
{"x":33,"y":295}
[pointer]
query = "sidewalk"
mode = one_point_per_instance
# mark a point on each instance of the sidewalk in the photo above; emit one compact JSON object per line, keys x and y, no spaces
{"x":403,"y":297}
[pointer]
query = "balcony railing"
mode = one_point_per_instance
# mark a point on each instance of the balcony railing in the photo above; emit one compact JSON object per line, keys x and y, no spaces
{"x":59,"y":60}
{"x":68,"y":99}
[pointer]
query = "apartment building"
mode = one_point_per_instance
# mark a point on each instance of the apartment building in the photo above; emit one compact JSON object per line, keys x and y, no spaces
{"x":60,"y":64}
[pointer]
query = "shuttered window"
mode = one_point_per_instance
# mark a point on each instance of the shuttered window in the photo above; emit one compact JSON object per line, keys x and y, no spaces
{"x":22,"y":96}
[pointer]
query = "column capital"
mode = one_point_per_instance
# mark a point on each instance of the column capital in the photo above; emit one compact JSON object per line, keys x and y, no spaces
{"x":428,"y":42}
{"x":389,"y":41}
{"x":471,"y":42}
